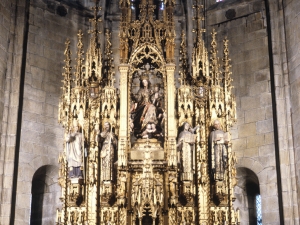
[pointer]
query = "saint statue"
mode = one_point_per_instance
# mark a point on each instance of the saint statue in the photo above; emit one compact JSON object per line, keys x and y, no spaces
{"x":108,"y":146}
{"x":218,"y":147}
{"x":186,"y":146}
{"x":75,"y":145}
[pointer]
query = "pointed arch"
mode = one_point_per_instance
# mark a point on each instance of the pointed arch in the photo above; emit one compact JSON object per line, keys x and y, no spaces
{"x":147,"y":52}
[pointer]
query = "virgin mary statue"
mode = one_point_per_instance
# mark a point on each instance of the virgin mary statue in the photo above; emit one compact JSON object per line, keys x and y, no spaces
{"x":143,"y":111}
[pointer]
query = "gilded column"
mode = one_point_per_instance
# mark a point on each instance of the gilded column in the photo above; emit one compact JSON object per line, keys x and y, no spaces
{"x":123,"y":133}
{"x":171,"y":122}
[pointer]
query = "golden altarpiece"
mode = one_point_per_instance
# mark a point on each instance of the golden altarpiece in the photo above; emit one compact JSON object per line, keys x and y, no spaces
{"x":157,"y":149}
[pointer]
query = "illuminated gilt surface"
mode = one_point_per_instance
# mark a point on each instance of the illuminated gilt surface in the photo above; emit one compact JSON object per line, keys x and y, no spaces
{"x":152,"y":153}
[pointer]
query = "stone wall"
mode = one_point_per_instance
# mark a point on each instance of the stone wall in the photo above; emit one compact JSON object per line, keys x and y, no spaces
{"x":282,"y":104}
{"x":291,"y":24}
{"x":12,"y":17}
{"x":41,"y":136}
{"x":5,"y":25}
{"x":5,"y":20}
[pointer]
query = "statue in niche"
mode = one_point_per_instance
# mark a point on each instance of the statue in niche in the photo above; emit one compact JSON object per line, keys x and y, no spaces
{"x":186,"y":146}
{"x":146,"y":112}
{"x":75,"y":145}
{"x":108,"y":146}
{"x":157,"y":100}
{"x":172,"y":182}
{"x":143,"y":111}
{"x":122,"y":189}
{"x":172,"y":188}
{"x":218,"y":141}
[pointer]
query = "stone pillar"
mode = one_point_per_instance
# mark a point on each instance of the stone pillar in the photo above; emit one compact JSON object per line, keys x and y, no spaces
{"x":123,"y":133}
{"x":171,"y":122}
{"x":13,"y":32}
{"x":172,"y":130}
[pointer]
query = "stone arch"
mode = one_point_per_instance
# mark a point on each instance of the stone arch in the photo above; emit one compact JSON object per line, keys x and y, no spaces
{"x":256,"y":166}
{"x":44,"y":195}
{"x":246,"y":191}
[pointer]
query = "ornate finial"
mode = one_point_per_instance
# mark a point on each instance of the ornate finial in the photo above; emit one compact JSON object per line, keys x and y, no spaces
{"x":230,"y":103}
{"x":67,"y":60}
{"x":108,"y":67}
{"x":78,"y":73}
{"x":63,"y":111}
{"x":93,"y":68}
{"x":226,"y":65}
{"x":183,"y":59}
{"x":94,"y":31}
{"x":94,"y":21}
{"x":226,"y":60}
{"x":198,"y":27}
{"x":214,"y":66}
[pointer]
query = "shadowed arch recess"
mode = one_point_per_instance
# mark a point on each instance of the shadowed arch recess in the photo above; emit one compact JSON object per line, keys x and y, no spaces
{"x":44,"y":195}
{"x":247,"y":190}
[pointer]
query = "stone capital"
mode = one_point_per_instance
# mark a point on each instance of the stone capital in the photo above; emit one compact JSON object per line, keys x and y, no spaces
{"x":123,"y":68}
{"x":170,"y":67}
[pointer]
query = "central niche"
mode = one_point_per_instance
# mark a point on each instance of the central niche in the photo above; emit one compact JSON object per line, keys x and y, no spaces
{"x":147,"y":95}
{"x":147,"y":110}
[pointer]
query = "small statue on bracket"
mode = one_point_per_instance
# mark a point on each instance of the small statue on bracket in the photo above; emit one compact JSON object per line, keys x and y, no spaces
{"x":186,"y":146}
{"x":75,"y":146}
{"x":218,"y":141}
{"x":109,"y":144}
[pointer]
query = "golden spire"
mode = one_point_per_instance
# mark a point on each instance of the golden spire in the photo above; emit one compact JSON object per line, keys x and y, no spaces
{"x":214,"y":61}
{"x":184,"y":68}
{"x":230,"y":104}
{"x":64,"y":104}
{"x":79,"y":59}
{"x":109,"y":66}
{"x":198,"y":18}
{"x":93,"y":63}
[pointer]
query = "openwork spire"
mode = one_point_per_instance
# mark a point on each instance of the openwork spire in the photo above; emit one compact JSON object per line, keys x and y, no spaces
{"x":230,"y":103}
{"x":108,"y":67}
{"x":214,"y":61}
{"x":184,"y":67}
{"x":199,"y":23}
{"x":79,"y":79}
{"x":64,"y":104}
{"x":93,"y":64}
